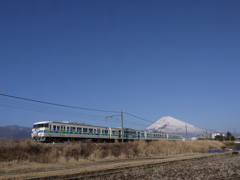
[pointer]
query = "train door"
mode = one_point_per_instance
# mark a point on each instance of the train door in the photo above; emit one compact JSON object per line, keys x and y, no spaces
{"x":119,"y":134}
{"x":126,"y":134}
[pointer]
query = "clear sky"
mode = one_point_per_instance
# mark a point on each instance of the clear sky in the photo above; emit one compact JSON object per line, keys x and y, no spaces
{"x":150,"y":58}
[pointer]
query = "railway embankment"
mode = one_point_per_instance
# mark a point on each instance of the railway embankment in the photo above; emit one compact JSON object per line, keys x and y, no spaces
{"x":32,"y":160}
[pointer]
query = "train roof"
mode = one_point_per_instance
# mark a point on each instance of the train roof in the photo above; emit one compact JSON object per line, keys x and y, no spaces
{"x":69,"y":123}
{"x":41,"y":122}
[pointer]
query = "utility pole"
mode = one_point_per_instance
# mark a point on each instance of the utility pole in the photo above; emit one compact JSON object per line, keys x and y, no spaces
{"x":122,"y":124}
{"x":186,"y":132}
{"x":121,"y":114}
{"x":206,"y":135}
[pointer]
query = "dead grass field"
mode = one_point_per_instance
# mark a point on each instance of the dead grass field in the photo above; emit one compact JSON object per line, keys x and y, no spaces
{"x":38,"y":157}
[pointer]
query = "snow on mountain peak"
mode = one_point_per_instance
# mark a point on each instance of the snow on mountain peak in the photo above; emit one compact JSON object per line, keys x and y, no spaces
{"x":169,"y":124}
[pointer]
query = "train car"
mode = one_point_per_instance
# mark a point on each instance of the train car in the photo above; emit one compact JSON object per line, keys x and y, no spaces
{"x":49,"y":131}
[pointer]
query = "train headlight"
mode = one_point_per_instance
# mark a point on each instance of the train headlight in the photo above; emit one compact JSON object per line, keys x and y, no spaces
{"x":34,"y":133}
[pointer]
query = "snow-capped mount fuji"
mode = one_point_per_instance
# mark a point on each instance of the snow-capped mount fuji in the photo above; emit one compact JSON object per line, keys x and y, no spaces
{"x":169,"y":124}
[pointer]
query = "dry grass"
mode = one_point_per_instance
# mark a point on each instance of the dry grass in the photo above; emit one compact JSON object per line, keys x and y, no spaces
{"x":176,"y":147}
{"x":42,"y":153}
{"x":33,"y":156}
{"x":228,"y":145}
{"x":8,"y":141}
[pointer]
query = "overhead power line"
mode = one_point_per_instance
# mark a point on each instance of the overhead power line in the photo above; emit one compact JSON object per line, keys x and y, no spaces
{"x":40,"y":107}
{"x":138,"y":117}
{"x":44,"y":111}
{"x":55,"y":104}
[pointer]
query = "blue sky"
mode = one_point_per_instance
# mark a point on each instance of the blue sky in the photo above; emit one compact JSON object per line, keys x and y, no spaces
{"x":149,"y":58}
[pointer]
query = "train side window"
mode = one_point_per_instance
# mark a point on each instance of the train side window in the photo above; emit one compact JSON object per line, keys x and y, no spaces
{"x":85,"y":130}
{"x":102,"y":131}
{"x":79,"y":129}
{"x":67,"y":128}
{"x":50,"y":127}
{"x":113,"y":132}
{"x":106,"y":131}
{"x":46,"y":125}
{"x":58,"y":128}
{"x":94,"y":130}
{"x":98,"y":131}
{"x":62,"y":128}
{"x":54,"y":127}
{"x":73,"y":129}
{"x":90,"y":130}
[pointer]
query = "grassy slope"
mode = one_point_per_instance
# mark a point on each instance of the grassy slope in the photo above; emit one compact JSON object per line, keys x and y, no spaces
{"x":28,"y":155}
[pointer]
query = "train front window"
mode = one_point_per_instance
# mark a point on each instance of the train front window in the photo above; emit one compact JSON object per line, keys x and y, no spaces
{"x":40,"y":125}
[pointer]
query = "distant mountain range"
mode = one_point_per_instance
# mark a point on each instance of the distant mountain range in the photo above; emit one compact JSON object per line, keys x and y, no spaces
{"x":15,"y":131}
{"x":169,"y":124}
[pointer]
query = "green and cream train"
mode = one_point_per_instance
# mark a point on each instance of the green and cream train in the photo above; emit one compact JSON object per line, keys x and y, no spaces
{"x":49,"y":131}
